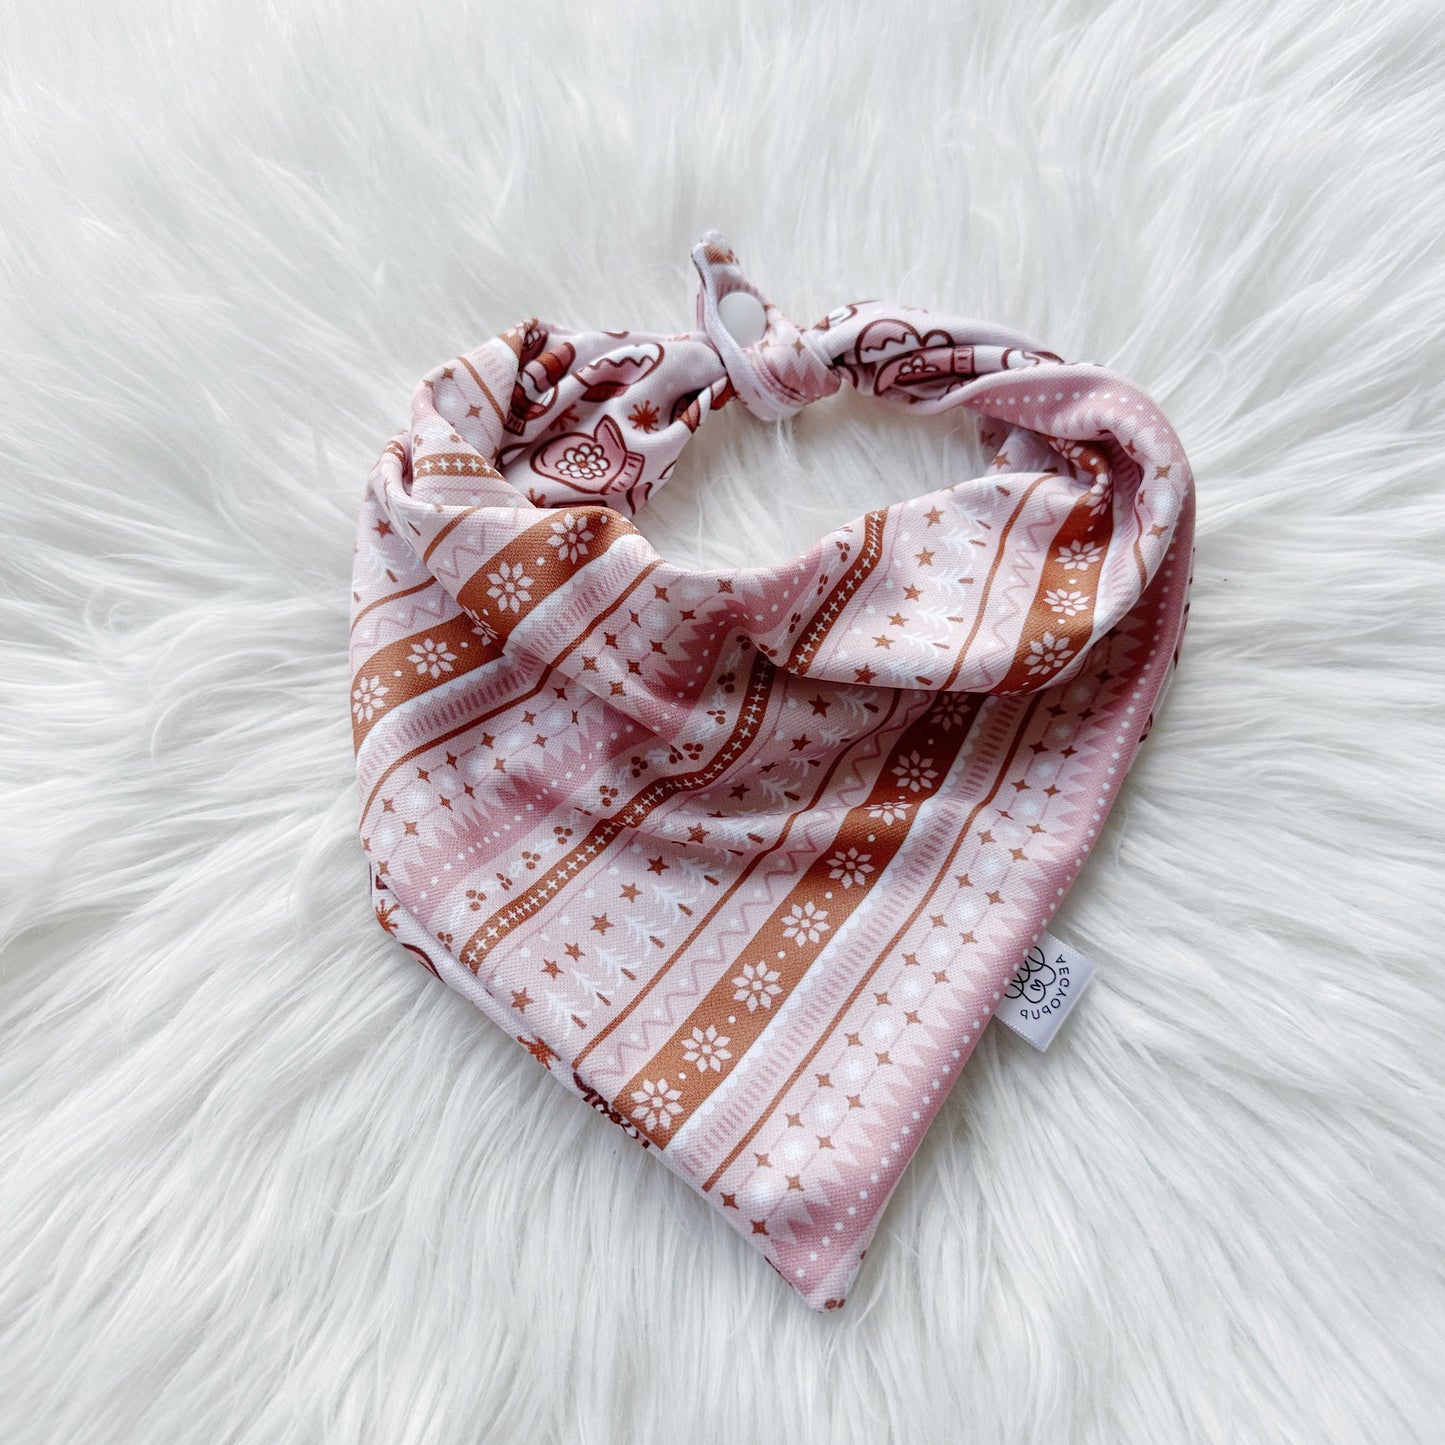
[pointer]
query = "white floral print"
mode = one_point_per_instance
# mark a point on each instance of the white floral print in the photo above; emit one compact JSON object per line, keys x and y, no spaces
{"x":914,"y":773}
{"x":887,"y":813}
{"x":1082,"y":555}
{"x":509,"y":586}
{"x":1048,"y":653}
{"x":850,"y":867}
{"x":570,"y":537}
{"x":805,"y":923}
{"x":707,"y":1049}
{"x":584,"y":462}
{"x":431,"y":658}
{"x":366,"y":698}
{"x":951,"y":712}
{"x":656,"y":1104}
{"x":757,"y":986}
{"x":1069,"y":603}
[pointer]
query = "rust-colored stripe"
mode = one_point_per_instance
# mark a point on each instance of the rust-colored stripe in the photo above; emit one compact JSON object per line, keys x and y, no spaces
{"x":1051,"y":638}
{"x":741,"y":1004}
{"x":660,"y":790}
{"x":524,"y":573}
{"x":496,"y":594}
{"x":869,"y":555}
{"x":512,"y":702}
{"x":725,"y":898}
{"x":893,"y":943}
{"x":415,"y":665}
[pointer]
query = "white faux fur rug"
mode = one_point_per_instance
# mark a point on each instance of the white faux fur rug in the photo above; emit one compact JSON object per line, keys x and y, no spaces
{"x":261,"y":1178}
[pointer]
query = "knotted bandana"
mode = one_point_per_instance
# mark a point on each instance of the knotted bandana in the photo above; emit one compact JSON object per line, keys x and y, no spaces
{"x":746,"y":857}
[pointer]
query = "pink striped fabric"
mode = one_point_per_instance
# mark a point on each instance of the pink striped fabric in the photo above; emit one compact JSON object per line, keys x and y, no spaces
{"x":746,"y":857}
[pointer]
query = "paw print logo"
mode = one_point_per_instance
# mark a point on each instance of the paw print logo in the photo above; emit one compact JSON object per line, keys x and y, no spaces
{"x":445,"y":939}
{"x":531,"y":859}
{"x":607,"y":793}
{"x":717,"y":715}
{"x":475,"y":899}
{"x":562,"y":835}
{"x":693,"y":750}
{"x":504,"y":880}
{"x":728,"y":682}
{"x":638,"y":764}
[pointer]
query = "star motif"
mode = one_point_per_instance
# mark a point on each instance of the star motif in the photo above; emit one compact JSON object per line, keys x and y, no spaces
{"x":934,"y":516}
{"x":520,"y":999}
{"x":820,"y":704}
{"x":656,"y":865}
{"x":630,"y":892}
{"x":601,"y":923}
{"x":925,"y":558}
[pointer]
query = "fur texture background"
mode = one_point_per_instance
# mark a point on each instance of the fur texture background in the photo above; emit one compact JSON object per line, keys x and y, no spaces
{"x":264,"y":1180}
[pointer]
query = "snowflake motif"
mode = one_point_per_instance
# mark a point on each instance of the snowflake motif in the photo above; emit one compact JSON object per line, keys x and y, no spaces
{"x":805,"y":923}
{"x":1098,"y":498}
{"x":757,"y":985}
{"x":570,"y":537}
{"x":509,"y":586}
{"x":487,"y":633}
{"x":951,"y":712}
{"x":1048,"y":653}
{"x":914,"y":773}
{"x":850,"y":867}
{"x":1081,"y":555}
{"x":431,"y":658}
{"x":656,"y":1104}
{"x":584,"y":462}
{"x":643,"y":416}
{"x":707,"y":1049}
{"x":888,"y":813}
{"x":1068,"y":603}
{"x":366,"y":698}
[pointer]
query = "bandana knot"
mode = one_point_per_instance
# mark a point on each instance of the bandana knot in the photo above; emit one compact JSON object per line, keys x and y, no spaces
{"x":746,"y":857}
{"x":775,"y":366}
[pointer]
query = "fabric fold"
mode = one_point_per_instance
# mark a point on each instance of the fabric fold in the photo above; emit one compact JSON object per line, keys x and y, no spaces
{"x":746,"y":856}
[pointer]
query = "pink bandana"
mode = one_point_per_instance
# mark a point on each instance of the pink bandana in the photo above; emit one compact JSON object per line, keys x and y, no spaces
{"x":746,"y":857}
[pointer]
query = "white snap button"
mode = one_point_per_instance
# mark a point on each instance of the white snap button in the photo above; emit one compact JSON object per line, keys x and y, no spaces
{"x":743,"y":315}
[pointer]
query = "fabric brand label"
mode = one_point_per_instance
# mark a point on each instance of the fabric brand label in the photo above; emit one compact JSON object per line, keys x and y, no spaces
{"x":1044,"y":991}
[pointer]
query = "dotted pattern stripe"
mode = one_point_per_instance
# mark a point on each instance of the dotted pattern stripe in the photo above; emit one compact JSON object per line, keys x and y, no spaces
{"x":744,"y":858}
